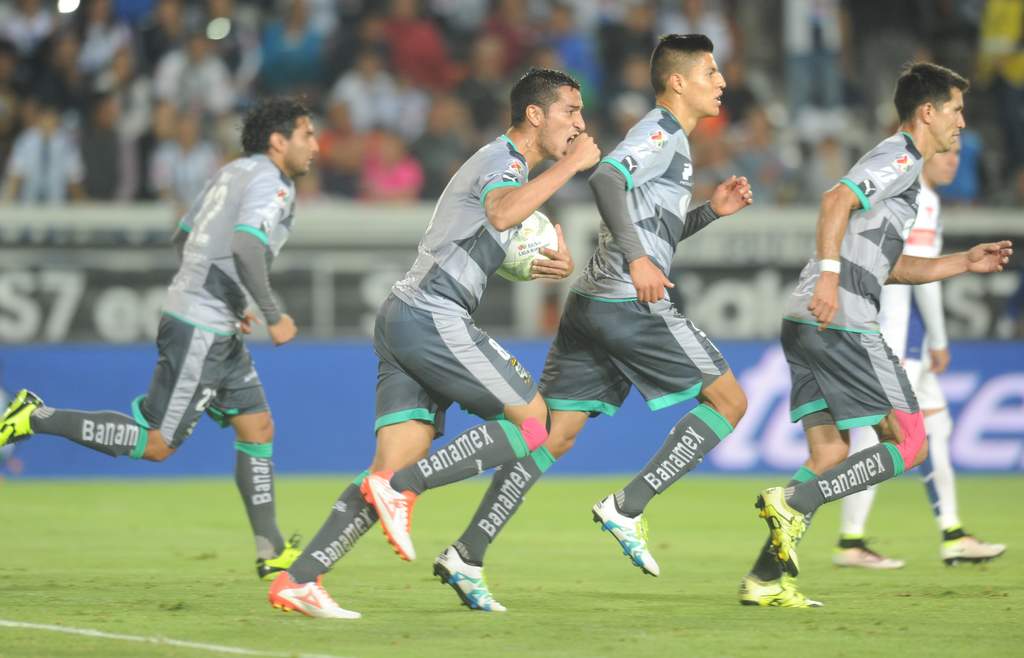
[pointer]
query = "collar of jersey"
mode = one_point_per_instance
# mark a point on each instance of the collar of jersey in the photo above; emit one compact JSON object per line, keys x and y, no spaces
{"x":511,"y":143}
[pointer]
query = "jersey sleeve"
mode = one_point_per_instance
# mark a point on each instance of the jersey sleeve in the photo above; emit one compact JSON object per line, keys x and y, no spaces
{"x":264,"y":205}
{"x":644,"y":154}
{"x":500,"y":170}
{"x":886,"y":170}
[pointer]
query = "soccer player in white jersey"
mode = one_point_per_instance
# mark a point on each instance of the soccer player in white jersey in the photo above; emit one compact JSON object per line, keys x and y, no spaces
{"x":913,"y":325}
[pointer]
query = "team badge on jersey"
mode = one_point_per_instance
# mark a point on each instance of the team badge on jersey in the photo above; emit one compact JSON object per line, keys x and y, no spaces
{"x":658,"y":138}
{"x":903,"y":163}
{"x":513,"y":172}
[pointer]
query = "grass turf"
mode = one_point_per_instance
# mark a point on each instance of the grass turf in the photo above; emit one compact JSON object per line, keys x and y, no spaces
{"x":173,"y":558}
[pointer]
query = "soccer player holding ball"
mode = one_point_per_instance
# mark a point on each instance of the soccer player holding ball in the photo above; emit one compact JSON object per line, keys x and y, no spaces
{"x":226,"y":242}
{"x":843,"y":373}
{"x":432,"y":353}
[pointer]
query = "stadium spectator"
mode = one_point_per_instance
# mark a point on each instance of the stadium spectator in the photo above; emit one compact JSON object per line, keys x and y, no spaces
{"x":759,"y":158}
{"x":234,"y":34}
{"x":829,"y":161}
{"x":389,"y":172}
{"x":45,"y":164}
{"x":101,"y":34}
{"x":292,"y":53}
{"x":369,"y":91}
{"x":575,"y":49}
{"x":485,"y":86}
{"x":134,"y":97}
{"x":445,"y":145}
{"x":418,"y":50}
{"x":194,"y":78}
{"x":812,"y":41}
{"x":180,"y":168}
{"x":697,"y":17}
{"x":739,"y":98}
{"x":966,"y":185}
{"x":634,"y":35}
{"x":101,"y":149}
{"x":510,"y":22}
{"x":28,"y":25}
{"x":1001,"y":67}
{"x":341,"y":153}
{"x":60,"y":79}
{"x":10,"y":101}
{"x":161,"y":33}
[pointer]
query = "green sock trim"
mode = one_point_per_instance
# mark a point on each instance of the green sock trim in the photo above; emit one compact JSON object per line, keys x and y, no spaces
{"x":897,"y":458}
{"x":418,"y":413}
{"x":543,"y":458}
{"x":140,"y":445}
{"x":260,"y":450}
{"x":804,"y":474}
{"x":664,"y":401}
{"x":359,"y":478}
{"x":515,"y":438}
{"x":716,"y":421}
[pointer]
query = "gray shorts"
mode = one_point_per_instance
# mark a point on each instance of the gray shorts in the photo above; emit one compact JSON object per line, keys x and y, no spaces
{"x":196,"y":372}
{"x":604,"y":348}
{"x":427,"y":361}
{"x":853,"y":375}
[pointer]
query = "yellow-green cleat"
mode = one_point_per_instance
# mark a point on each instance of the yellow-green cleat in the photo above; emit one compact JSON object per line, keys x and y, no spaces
{"x":267,"y":569}
{"x":786,"y":525}
{"x":14,"y":424}
{"x":781,"y":593}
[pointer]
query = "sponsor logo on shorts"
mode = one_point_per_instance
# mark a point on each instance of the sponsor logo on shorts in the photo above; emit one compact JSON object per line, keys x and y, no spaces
{"x":523,"y":373}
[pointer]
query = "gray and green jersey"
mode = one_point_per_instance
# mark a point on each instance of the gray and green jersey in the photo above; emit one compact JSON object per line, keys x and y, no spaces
{"x":461,"y":248}
{"x":886,"y":182}
{"x":654,"y":159}
{"x":250,"y":195}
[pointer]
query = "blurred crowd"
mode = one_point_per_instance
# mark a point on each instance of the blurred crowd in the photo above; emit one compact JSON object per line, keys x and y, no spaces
{"x":120,"y":100}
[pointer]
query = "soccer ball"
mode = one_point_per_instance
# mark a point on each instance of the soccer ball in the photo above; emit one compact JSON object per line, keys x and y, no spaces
{"x":535,"y":233}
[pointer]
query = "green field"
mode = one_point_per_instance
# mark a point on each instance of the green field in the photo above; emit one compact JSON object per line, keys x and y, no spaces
{"x":173,"y":559}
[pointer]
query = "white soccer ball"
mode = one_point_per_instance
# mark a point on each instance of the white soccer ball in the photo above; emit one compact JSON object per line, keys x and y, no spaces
{"x":535,"y":233}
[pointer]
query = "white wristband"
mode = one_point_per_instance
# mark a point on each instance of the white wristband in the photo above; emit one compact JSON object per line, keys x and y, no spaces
{"x":828,"y":265}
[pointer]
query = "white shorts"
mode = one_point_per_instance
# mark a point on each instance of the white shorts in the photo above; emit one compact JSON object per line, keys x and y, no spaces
{"x":925,"y":383}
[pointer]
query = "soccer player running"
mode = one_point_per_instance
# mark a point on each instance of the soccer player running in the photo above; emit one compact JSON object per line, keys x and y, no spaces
{"x":911,"y":317}
{"x":226,"y":243}
{"x":432,"y":353}
{"x":618,"y":327}
{"x":843,"y":373}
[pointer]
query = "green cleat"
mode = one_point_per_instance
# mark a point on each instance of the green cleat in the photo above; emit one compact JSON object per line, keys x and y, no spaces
{"x":786,"y":525}
{"x":14,"y":424}
{"x":267,"y":569}
{"x":781,"y":593}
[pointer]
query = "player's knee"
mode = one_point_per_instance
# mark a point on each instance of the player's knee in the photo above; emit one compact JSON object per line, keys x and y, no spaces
{"x":157,"y":448}
{"x":559,"y":444}
{"x":728,"y":399}
{"x":534,"y":433}
{"x":262,"y":434}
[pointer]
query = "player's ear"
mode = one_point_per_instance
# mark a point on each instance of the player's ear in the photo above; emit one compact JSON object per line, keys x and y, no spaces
{"x":277,"y":142}
{"x":535,"y":115}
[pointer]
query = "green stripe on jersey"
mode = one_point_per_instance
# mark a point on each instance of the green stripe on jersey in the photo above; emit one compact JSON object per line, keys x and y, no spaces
{"x":490,"y":187}
{"x":252,"y":230}
{"x":865,"y":203}
{"x":590,"y":406}
{"x":622,"y":170}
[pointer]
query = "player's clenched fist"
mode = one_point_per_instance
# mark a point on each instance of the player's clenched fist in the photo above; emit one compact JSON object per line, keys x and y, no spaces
{"x":583,"y":152}
{"x":283,"y":330}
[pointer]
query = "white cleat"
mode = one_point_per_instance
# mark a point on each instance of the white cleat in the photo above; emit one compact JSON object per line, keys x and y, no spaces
{"x":311,"y":599}
{"x":969,"y":549}
{"x":864,"y":558}
{"x":631,"y":533}
{"x":394,"y":509}
{"x":467,"y":581}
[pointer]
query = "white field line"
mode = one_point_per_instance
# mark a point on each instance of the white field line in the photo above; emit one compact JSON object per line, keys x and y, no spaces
{"x":165,"y":641}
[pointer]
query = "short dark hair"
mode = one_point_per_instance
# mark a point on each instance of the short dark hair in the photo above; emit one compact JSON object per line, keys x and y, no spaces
{"x":273,"y":115}
{"x":537,"y":87}
{"x":671,"y":48}
{"x":924,"y":82}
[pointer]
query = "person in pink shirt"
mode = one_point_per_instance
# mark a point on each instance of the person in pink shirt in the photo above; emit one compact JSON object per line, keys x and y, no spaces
{"x":389,"y":172}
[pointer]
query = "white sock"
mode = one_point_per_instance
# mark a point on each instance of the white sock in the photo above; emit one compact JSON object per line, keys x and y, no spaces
{"x":856,"y":507}
{"x":939,"y":428}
